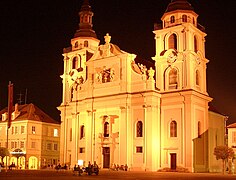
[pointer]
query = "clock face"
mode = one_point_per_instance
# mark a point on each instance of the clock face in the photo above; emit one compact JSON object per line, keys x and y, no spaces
{"x":172,"y":57}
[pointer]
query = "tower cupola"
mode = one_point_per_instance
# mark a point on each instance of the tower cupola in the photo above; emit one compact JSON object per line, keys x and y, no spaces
{"x":85,"y":24}
{"x":179,"y":12}
{"x":179,"y":5}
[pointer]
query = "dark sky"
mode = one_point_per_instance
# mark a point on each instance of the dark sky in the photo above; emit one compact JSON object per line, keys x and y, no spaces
{"x":34,"y":32}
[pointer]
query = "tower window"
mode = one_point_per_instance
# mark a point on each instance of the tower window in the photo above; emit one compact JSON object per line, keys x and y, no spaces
{"x":197,"y":78}
{"x":195,"y":44}
{"x":106,"y":129}
{"x":85,"y":43}
{"x":173,"y":41}
{"x":173,"y":76}
{"x":76,"y":44}
{"x":184,"y":18}
{"x":75,"y":63}
{"x":172,"y":19}
{"x":139,"y":130}
{"x":82,"y":132}
{"x":173,"y":129}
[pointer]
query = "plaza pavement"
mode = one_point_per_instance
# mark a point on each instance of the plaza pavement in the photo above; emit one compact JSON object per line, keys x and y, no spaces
{"x":108,"y":175}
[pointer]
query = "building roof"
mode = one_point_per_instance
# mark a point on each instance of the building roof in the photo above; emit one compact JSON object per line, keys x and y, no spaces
{"x":232,"y":125}
{"x":30,"y":112}
{"x":179,"y":5}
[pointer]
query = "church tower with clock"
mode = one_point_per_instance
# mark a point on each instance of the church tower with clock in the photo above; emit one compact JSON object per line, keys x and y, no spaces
{"x":117,"y":111}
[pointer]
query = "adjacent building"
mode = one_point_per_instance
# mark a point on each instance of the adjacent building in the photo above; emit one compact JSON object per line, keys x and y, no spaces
{"x":33,"y":138}
{"x":117,"y":111}
{"x":232,"y":136}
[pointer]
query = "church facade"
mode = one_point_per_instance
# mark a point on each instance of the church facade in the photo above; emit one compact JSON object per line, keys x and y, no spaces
{"x":115,"y":111}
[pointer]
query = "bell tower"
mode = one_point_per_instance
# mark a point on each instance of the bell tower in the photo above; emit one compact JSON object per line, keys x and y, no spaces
{"x":83,"y":45}
{"x":181,"y":79}
{"x":180,"y":49}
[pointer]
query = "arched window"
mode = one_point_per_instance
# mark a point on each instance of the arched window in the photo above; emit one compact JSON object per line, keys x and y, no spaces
{"x":173,"y":77}
{"x":106,"y":129}
{"x":85,"y":43}
{"x":199,"y":129}
{"x":197,"y":78}
{"x":75,"y":63}
{"x":172,"y":19}
{"x":173,"y":129}
{"x":139,"y":130}
{"x":76,"y":44}
{"x":82,"y":132}
{"x":184,"y":18}
{"x":173,"y":41}
{"x":195,"y":44}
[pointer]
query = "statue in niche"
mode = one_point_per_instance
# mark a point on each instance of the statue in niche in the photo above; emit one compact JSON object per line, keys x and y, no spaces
{"x":105,"y":75}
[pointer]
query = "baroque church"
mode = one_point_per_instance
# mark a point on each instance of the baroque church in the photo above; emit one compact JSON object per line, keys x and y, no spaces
{"x":117,"y":111}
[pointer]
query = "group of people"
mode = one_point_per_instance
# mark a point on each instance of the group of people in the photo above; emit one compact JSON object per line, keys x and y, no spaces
{"x":91,"y":168}
{"x":58,"y":167}
{"x":116,"y":167}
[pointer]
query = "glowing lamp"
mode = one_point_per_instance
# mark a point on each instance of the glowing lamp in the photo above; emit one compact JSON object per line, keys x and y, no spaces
{"x":80,"y":162}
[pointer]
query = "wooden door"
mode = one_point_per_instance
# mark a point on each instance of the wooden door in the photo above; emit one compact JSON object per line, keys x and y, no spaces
{"x":106,"y":157}
{"x":173,"y":161}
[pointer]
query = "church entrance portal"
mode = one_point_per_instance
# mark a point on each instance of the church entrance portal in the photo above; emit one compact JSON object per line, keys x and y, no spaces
{"x":106,"y":157}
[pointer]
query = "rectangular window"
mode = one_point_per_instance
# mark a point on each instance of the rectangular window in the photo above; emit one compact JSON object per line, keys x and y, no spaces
{"x":33,"y":145}
{"x":55,"y":133}
{"x":55,"y":147}
{"x":33,"y":130}
{"x":22,"y":144}
{"x":16,"y":130}
{"x":12,"y":130}
{"x":22,"y":129}
{"x":139,"y":149}
{"x":234,"y":137}
{"x":82,"y":150}
{"x":16,"y":145}
{"x":0,"y":144}
{"x":12,"y":145}
{"x":49,"y":146}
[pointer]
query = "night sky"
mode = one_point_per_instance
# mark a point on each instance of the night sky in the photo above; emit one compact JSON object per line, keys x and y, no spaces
{"x":34,"y":32}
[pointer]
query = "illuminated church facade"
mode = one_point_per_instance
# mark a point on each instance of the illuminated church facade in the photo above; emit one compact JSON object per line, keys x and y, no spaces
{"x":115,"y":111}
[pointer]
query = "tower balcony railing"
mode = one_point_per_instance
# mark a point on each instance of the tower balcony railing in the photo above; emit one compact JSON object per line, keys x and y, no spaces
{"x":167,"y":24}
